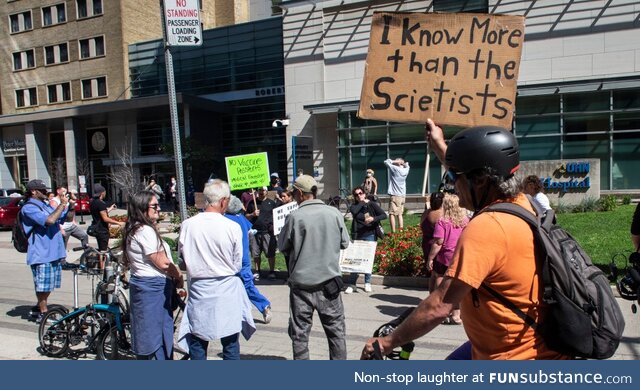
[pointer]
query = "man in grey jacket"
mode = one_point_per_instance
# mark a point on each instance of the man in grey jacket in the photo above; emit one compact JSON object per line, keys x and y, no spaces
{"x":311,"y":238}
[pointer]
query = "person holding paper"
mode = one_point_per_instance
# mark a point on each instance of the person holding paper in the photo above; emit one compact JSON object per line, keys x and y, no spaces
{"x":496,"y":249}
{"x":397,"y":189}
{"x":366,"y":217}
{"x":260,"y":214}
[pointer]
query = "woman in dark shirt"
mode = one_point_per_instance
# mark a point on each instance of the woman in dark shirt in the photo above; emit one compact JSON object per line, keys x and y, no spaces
{"x":366,"y":217}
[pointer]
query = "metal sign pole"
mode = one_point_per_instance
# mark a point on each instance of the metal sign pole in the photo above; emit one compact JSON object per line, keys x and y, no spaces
{"x":175,"y":125}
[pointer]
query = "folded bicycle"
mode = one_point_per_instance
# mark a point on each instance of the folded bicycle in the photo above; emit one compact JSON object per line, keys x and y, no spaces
{"x":102,"y":328}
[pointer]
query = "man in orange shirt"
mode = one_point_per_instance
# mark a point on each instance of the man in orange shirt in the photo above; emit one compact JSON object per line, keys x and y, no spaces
{"x":495,"y":249}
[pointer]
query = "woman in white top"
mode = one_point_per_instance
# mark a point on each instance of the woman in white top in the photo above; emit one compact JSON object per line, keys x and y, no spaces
{"x":153,"y":279}
{"x":533,"y":186}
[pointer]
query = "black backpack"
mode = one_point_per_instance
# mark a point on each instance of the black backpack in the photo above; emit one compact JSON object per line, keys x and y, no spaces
{"x":584,"y":319}
{"x":19,"y":238}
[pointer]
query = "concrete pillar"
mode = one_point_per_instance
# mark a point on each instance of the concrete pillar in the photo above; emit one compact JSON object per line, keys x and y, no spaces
{"x":70,"y":153}
{"x":6,"y":179}
{"x":37,"y":155}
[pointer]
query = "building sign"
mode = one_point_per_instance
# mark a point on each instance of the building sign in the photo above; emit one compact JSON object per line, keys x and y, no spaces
{"x":182,"y":23}
{"x":566,"y":181}
{"x":302,"y":148}
{"x":247,"y":171}
{"x":569,"y":177}
{"x":14,"y":146}
{"x":458,"y":69}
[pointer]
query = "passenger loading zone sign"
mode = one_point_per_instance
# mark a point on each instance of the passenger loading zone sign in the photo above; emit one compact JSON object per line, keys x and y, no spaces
{"x":182,"y":21}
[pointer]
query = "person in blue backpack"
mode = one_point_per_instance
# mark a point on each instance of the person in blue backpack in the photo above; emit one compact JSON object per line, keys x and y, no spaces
{"x":46,"y":252}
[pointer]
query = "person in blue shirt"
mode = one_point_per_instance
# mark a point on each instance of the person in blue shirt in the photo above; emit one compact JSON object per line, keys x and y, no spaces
{"x":41,"y":223}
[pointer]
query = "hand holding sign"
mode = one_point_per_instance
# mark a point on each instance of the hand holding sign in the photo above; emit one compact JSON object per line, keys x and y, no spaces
{"x":460,"y":69}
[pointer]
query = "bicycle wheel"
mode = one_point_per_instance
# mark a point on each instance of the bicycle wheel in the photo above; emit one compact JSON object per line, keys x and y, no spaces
{"x":114,"y":344}
{"x":53,"y":333}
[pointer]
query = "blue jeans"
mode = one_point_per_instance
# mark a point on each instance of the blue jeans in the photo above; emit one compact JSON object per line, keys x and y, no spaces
{"x":353,"y":278}
{"x":463,"y":352}
{"x":198,"y":347}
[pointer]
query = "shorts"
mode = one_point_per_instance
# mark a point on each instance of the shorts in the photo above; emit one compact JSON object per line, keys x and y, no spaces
{"x":396,"y":205}
{"x":47,"y":276}
{"x":439,"y":268}
{"x":263,"y":242}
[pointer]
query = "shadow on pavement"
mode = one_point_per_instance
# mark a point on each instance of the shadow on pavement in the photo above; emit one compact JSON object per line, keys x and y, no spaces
{"x":20,"y":311}
{"x":393,"y":311}
{"x":397,"y":299}
{"x":257,"y":357}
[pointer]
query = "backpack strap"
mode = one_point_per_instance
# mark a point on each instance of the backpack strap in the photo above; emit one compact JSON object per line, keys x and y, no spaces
{"x":510,"y":305}
{"x":22,"y":216}
{"x":540,"y":220}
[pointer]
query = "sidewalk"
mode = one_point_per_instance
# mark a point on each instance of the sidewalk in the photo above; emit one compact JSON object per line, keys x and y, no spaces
{"x":364,"y":314}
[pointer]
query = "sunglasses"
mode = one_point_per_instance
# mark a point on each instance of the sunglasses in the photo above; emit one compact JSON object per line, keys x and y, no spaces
{"x":359,"y":193}
{"x":453,"y":175}
{"x":154,"y":206}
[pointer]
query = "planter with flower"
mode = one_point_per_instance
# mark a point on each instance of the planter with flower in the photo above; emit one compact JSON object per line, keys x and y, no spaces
{"x":400,"y":254}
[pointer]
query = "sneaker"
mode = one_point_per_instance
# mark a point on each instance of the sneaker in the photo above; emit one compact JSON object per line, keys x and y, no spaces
{"x":271,"y":276}
{"x":266,"y":315}
{"x":34,"y":312}
{"x":348,"y":290}
{"x":367,"y":287}
{"x":40,"y":317}
{"x":256,"y":276}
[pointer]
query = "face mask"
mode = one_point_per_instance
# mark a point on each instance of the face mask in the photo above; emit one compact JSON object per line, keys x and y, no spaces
{"x":369,"y":174}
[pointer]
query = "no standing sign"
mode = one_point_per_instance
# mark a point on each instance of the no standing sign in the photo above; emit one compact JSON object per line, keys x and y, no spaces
{"x":182,"y":20}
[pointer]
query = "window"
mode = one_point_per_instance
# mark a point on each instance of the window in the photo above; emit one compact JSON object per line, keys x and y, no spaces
{"x":56,"y":54}
{"x":54,"y":14}
{"x":24,"y":60}
{"x":88,"y":8}
{"x":59,"y":93}
{"x":91,"y":47}
{"x":94,"y":88}
{"x":20,"y":22}
{"x":26,"y":97}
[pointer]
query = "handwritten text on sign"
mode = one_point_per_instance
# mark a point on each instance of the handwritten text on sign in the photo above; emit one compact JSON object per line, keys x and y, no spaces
{"x":247,"y":171}
{"x":459,"y":69}
{"x":280,"y":215}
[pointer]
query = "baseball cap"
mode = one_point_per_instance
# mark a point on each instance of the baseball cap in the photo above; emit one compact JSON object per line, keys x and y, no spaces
{"x":36,"y":184}
{"x":98,"y":189}
{"x":304,"y":183}
{"x":275,"y":174}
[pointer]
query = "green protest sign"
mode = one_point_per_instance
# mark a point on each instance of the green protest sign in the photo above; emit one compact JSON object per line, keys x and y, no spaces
{"x":247,"y":171}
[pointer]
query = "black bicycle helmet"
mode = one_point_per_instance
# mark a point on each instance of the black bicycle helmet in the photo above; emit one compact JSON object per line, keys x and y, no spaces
{"x":484,"y":147}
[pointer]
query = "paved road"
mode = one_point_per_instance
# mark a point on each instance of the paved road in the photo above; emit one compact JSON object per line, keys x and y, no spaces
{"x":364,"y":312}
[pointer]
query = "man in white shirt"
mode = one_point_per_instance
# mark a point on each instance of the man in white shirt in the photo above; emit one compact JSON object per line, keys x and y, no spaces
{"x":398,"y":171}
{"x":218,"y":306}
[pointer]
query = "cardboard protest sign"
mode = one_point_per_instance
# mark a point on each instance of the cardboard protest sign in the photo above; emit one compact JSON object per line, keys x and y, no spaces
{"x":358,"y":257}
{"x":247,"y":171}
{"x":280,"y":214}
{"x":458,"y":69}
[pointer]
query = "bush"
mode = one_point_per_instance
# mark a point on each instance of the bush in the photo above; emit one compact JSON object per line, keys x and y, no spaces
{"x":563,"y":208}
{"x":588,"y":204}
{"x":176,"y":220}
{"x":626,"y":200}
{"x":608,"y":203}
{"x":400,"y":254}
